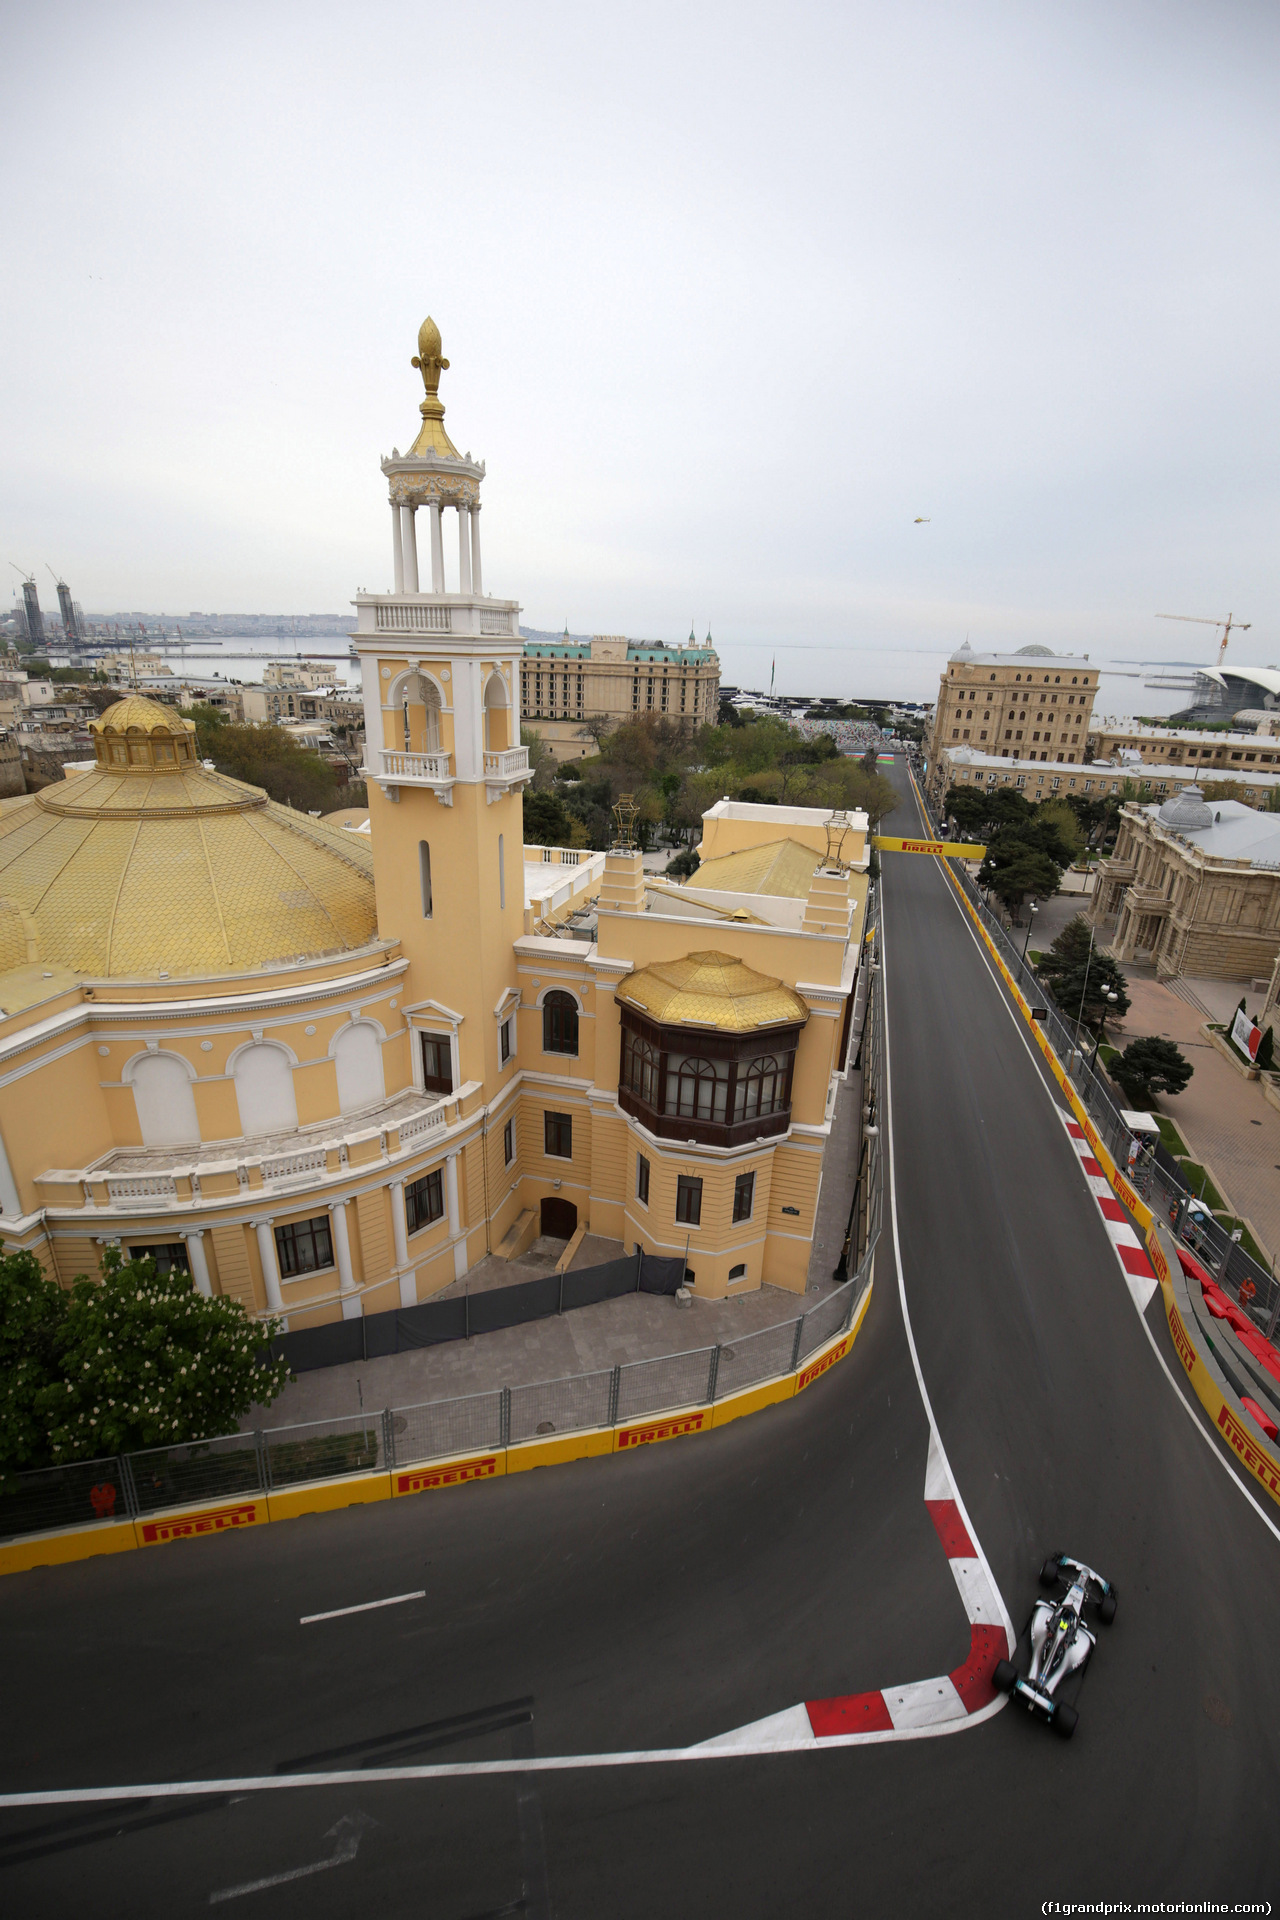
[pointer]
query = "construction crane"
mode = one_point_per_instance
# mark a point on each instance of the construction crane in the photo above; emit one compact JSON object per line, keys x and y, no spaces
{"x":1229,"y":625}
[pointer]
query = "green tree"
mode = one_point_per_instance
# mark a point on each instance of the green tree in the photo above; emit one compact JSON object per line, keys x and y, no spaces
{"x":147,"y":1361}
{"x":210,"y":721}
{"x":546,"y":823}
{"x":685,"y":863}
{"x":1149,"y":1067}
{"x":541,"y":759}
{"x":32,"y":1310}
{"x":967,"y":806}
{"x":1080,"y":978}
{"x":1013,"y":868}
{"x":1062,"y":818}
{"x":269,"y":758}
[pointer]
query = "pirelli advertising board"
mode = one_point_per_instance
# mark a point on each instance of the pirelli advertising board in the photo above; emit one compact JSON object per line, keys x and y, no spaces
{"x":949,"y":849}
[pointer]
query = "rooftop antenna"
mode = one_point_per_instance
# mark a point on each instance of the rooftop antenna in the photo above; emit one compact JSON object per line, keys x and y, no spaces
{"x":1228,"y":625}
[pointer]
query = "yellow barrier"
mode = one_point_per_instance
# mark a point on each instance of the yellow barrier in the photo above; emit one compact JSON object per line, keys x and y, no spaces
{"x":1249,"y":1451}
{"x":949,"y":849}
{"x":325,"y":1496}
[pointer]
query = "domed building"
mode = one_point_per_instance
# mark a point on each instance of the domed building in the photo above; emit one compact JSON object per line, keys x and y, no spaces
{"x":152,"y":864}
{"x":329,"y":1072}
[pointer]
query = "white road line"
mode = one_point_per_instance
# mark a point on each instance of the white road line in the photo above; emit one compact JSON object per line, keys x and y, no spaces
{"x":935,"y":1438}
{"x":366,"y":1606}
{"x":1050,"y":1087}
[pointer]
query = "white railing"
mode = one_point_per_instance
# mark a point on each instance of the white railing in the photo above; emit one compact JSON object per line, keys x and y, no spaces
{"x":425,"y":769}
{"x":414,"y":619}
{"x":142,"y":1189}
{"x":422,"y":1123}
{"x":491,"y":622}
{"x":513,"y":760}
{"x":286,"y":1165}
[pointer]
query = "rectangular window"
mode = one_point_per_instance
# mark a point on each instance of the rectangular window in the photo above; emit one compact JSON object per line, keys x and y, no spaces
{"x":688,"y":1200}
{"x":304,"y":1246}
{"x":502,"y":874}
{"x":424,"y":1201}
{"x":743,"y":1191}
{"x":557,"y":1129}
{"x":642,"y":1180}
{"x":504,"y":1042}
{"x":508,"y":1143}
{"x":437,"y":1063}
{"x":170,"y":1256}
{"x":424,"y":868}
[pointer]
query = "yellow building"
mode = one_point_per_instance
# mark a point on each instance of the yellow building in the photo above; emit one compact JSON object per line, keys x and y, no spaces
{"x":565,"y":683}
{"x":329,"y":1071}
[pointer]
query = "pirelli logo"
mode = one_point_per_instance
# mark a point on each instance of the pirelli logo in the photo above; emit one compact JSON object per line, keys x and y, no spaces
{"x":187,"y":1526}
{"x":662,"y":1430}
{"x":1158,"y":1261}
{"x":1186,"y":1352}
{"x":452,"y":1474}
{"x":1127,"y":1194}
{"x":1260,"y":1464}
{"x":810,"y":1374}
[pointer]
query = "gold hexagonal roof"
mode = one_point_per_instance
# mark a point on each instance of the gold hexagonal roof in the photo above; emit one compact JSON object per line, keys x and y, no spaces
{"x":712,"y":990}
{"x":135,"y":710}
{"x":135,"y":870}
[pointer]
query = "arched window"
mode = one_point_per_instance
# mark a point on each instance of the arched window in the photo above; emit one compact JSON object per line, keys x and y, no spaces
{"x":761,"y":1089}
{"x":640,"y":1068}
{"x":264,"y":1091}
{"x":166,"y":1105}
{"x":560,"y":1023}
{"x":697,"y":1089}
{"x":358,"y":1058}
{"x":497,"y":730}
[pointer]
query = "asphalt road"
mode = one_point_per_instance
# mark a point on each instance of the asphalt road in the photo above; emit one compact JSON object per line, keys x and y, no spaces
{"x":652,"y":1601}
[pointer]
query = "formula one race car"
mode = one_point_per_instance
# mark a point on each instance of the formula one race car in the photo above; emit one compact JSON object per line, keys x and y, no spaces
{"x":1060,"y":1642}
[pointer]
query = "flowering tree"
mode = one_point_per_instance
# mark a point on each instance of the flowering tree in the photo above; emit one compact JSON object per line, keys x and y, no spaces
{"x":134,"y":1360}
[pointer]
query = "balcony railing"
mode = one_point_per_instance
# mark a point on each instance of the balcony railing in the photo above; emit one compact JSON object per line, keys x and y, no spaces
{"x":401,"y":617}
{"x":142,"y":1191}
{"x":507,"y":765}
{"x":416,"y":769}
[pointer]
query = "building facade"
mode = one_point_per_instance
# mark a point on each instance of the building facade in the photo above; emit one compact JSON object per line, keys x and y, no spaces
{"x":1055,"y":779}
{"x":328,"y":1071}
{"x":1223,"y":755}
{"x":564,"y":683}
{"x":1193,"y":887}
{"x":1029,"y":705}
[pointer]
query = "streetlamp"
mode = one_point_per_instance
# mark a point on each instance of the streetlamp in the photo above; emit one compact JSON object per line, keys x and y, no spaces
{"x":1111,"y":1001}
{"x":1032,"y":910}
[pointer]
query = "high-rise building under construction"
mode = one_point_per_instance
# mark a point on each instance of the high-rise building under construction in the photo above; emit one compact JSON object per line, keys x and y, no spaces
{"x":31,"y":610}
{"x":70,"y":624}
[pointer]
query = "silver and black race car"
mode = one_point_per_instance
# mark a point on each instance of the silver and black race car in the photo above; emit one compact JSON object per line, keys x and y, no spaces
{"x":1061,"y":1644}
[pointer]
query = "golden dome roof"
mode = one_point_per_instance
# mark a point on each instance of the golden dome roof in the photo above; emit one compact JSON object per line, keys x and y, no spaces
{"x":137,"y":869}
{"x":712,"y":990}
{"x":135,"y":710}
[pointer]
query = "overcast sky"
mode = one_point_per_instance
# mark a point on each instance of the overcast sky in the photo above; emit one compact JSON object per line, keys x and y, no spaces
{"x":732,"y":294}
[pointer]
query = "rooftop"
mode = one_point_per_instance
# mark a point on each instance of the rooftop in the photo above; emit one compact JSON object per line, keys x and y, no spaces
{"x":712,"y":990}
{"x":1236,"y":832}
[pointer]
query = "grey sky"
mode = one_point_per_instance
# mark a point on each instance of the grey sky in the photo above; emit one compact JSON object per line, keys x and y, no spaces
{"x":731,"y":293}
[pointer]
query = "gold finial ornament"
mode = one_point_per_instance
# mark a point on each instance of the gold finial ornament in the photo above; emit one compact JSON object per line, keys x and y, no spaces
{"x":837,"y":827}
{"x":625,"y":815}
{"x":431,"y":363}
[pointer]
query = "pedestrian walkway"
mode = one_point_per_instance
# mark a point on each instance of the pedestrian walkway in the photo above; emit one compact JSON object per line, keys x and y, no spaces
{"x":638,"y":1326}
{"x":1227,"y":1124}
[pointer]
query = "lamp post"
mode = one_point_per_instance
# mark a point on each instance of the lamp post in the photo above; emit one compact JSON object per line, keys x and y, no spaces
{"x":1031,"y":912}
{"x":1111,"y":1001}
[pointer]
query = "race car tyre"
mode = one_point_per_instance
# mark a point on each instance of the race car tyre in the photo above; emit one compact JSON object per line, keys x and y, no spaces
{"x":1051,"y":1571}
{"x":1064,"y":1720}
{"x":1107,"y":1608}
{"x":1005,"y":1677}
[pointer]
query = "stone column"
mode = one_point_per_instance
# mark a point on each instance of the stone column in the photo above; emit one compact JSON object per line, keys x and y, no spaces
{"x":476,"y":586}
{"x":197,"y":1262}
{"x":397,"y":547}
{"x":342,"y":1246}
{"x":270,"y":1266}
{"x":399,"y":1224}
{"x":437,"y":550}
{"x":410,"y":543}
{"x":454,"y":1215}
{"x":464,"y":550}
